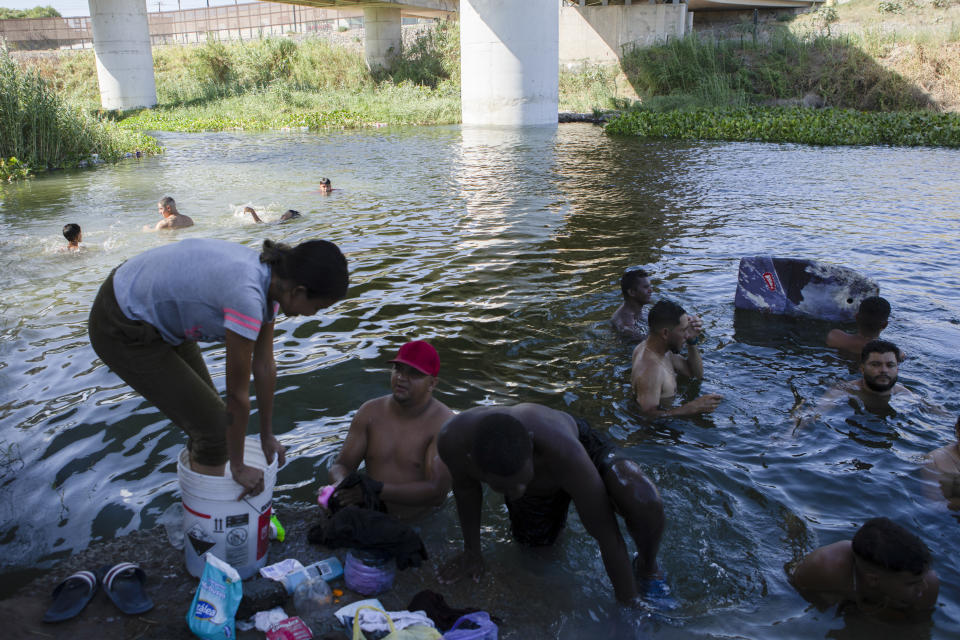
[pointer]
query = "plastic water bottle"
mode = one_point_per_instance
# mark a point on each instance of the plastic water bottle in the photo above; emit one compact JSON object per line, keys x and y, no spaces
{"x":312,"y":599}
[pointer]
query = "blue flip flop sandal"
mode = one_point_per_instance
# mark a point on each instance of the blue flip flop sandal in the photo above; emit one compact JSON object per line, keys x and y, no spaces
{"x":124,"y":584}
{"x":71,"y":596}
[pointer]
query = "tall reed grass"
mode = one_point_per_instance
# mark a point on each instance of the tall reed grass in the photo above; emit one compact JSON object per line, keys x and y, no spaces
{"x":41,"y":131}
{"x":703,"y":73}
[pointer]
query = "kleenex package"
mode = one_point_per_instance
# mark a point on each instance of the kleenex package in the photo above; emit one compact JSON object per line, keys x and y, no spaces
{"x":211,"y":615}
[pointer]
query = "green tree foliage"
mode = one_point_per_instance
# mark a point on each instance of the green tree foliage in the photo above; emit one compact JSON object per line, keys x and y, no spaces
{"x":35,"y":12}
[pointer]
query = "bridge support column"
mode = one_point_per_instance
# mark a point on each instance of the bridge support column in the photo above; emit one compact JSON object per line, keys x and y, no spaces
{"x":508,"y":61}
{"x":382,"y":36}
{"x":121,"y":45}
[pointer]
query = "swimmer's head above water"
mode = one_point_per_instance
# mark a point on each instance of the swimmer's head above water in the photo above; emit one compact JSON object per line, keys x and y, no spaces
{"x":635,"y":285}
{"x":879,"y":363}
{"x":873,"y":315}
{"x":289,"y":214}
{"x":892,"y":567}
{"x":668,"y":323}
{"x":324,"y":186}
{"x":73,"y":234}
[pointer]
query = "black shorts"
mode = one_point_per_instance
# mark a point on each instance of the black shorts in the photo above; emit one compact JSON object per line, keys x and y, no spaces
{"x":538,"y":520}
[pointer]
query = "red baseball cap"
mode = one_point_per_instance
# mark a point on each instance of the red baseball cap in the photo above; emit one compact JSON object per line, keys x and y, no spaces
{"x":421,"y":356}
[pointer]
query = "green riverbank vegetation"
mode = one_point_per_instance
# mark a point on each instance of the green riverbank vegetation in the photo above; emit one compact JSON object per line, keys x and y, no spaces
{"x":893,"y":56}
{"x":39,"y":130}
{"x":828,"y":126}
{"x":886,"y":75}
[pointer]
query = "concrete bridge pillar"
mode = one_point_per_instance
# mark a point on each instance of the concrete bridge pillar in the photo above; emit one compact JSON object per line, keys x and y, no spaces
{"x":509,"y":54}
{"x":121,"y":45}
{"x":382,"y":36}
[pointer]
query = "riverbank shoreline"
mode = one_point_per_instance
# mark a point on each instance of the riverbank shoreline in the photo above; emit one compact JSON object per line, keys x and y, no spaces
{"x":171,"y":587}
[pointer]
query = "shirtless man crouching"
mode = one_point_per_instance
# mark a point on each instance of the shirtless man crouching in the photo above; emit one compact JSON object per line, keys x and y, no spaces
{"x":657,"y":361}
{"x":396,"y":435}
{"x":541,"y":459}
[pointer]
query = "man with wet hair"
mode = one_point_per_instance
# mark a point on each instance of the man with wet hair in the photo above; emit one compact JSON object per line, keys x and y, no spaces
{"x":325,"y":188}
{"x":172,"y":219}
{"x":884,"y":571}
{"x":541,"y":459}
{"x":637,"y":291}
{"x":879,"y":368}
{"x":396,"y":436}
{"x":289,"y":214}
{"x":871,"y":319}
{"x":74,"y":236}
{"x":657,"y":361}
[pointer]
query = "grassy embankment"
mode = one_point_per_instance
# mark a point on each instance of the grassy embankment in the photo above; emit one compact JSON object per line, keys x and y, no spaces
{"x":39,"y":130}
{"x":851,"y":56}
{"x":276,"y":83}
{"x":887,"y":74}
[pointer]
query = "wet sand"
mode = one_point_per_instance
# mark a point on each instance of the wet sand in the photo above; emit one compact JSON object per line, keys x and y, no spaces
{"x":171,"y":588}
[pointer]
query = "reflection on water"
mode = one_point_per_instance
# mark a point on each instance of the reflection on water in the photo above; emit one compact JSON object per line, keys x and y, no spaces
{"x":505,"y":250}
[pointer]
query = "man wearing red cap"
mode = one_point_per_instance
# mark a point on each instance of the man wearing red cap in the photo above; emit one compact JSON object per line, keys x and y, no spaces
{"x":396,"y":435}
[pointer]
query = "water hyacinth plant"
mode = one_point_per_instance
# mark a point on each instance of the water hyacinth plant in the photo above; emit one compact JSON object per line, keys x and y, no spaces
{"x":794,"y":124}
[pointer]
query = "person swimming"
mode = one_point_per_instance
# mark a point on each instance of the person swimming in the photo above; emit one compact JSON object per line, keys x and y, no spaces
{"x":657,"y":361}
{"x":289,"y":214}
{"x":324,"y":187}
{"x":884,"y":571}
{"x":74,"y":237}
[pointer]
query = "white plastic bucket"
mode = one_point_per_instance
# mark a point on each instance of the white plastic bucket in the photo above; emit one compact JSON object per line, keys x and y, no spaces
{"x":214,"y":520}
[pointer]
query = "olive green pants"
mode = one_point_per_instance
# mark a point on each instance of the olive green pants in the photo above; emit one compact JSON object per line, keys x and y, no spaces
{"x":173,"y":378}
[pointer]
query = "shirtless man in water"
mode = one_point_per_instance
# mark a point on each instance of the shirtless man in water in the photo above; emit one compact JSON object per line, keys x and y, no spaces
{"x":637,"y":291}
{"x":884,"y":572}
{"x":943,"y":467}
{"x":396,"y":435}
{"x":172,"y":219}
{"x":541,"y":459}
{"x":657,"y":361}
{"x":872,"y":317}
{"x":879,"y":366}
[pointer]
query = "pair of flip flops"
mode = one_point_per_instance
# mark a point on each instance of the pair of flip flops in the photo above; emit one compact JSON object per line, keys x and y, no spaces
{"x":122,"y":582}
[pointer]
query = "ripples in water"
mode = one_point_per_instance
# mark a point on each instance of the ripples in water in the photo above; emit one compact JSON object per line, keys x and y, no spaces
{"x":505,"y":249}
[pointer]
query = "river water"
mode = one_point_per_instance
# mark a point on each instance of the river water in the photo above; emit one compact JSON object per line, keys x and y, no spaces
{"x":505,"y":249}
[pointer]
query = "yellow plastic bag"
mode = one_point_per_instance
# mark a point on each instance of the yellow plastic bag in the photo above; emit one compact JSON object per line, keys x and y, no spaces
{"x":413,"y":632}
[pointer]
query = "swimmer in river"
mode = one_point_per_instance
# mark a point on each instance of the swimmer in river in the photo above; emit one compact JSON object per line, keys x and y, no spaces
{"x":396,"y":436}
{"x":872,"y":317}
{"x":153,"y":309}
{"x":943,"y":468}
{"x":879,"y":368}
{"x":325,"y":187}
{"x":172,"y":219}
{"x":884,"y":572}
{"x":657,"y":361}
{"x":636,"y":289}
{"x":541,"y":459}
{"x":289,"y":214}
{"x":74,"y":237}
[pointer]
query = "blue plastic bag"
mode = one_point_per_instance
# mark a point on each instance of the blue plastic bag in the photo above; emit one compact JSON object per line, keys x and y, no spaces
{"x":214,"y":608}
{"x":485,"y":628}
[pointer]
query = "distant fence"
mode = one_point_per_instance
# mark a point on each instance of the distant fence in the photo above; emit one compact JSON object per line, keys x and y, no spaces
{"x":229,"y":22}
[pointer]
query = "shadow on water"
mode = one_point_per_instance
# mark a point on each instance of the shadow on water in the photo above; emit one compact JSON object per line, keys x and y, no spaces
{"x":505,"y":251}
